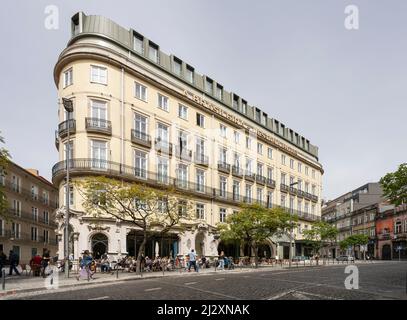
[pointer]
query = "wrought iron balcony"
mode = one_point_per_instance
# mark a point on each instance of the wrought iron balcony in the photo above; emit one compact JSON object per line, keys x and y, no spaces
{"x":96,"y":125}
{"x":237,"y":172}
{"x":303,"y":215}
{"x":65,"y":126}
{"x":292,"y":190}
{"x":248,"y":200}
{"x":270,"y":183}
{"x":284,"y":187}
{"x":201,"y":159}
{"x":183,"y":153}
{"x":140,"y":138}
{"x":301,"y":193}
{"x":57,"y":139}
{"x":314,"y":198}
{"x":163,"y":147}
{"x":260,"y":179}
{"x":250,"y":176}
{"x":223,"y":167}
{"x":307,"y":195}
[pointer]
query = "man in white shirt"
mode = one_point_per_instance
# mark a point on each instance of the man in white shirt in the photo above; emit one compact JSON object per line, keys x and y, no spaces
{"x":192,"y":260}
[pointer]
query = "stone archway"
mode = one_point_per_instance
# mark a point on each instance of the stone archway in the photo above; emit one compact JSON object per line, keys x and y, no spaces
{"x":99,"y":245}
{"x":265,"y":251}
{"x":200,"y":243}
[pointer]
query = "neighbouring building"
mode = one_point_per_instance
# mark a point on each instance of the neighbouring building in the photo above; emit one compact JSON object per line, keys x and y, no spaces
{"x":29,"y":225}
{"x":391,"y":230}
{"x":353,"y":213}
{"x":143,"y":116}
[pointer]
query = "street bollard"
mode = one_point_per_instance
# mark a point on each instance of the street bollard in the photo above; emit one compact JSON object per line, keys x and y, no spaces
{"x":4,"y":279}
{"x":117,"y":273}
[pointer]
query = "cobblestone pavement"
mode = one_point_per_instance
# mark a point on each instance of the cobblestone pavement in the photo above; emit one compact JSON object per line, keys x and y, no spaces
{"x":383,"y":280}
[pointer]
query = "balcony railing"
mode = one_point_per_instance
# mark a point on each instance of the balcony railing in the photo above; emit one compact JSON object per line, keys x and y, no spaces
{"x":153,"y":179}
{"x":57,"y":139}
{"x":223,"y":167}
{"x":250,"y":176}
{"x":260,"y":179}
{"x":270,"y":183}
{"x":307,"y":195}
{"x":314,"y":198}
{"x":300,"y":193}
{"x":64,"y":126}
{"x":97,"y":125}
{"x":26,"y":237}
{"x":183,"y":153}
{"x":140,"y":138}
{"x":201,"y":159}
{"x":29,"y":196}
{"x":292,"y":190}
{"x":284,"y":187}
{"x":384,"y":236}
{"x":303,"y":215}
{"x":237,"y":172}
{"x":163,"y":147}
{"x":30,"y":217}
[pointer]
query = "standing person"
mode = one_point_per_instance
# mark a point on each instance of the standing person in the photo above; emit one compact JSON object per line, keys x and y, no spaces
{"x":3,"y":259}
{"x":45,"y":261}
{"x":203,"y":259}
{"x":14,"y":260}
{"x":221,"y":260}
{"x":85,"y":265}
{"x":192,"y":260}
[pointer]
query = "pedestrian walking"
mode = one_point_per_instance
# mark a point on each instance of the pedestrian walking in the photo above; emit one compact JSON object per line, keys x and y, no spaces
{"x":14,"y":261}
{"x":192,"y":260}
{"x":45,"y":261}
{"x":85,"y":264}
{"x":221,"y":260}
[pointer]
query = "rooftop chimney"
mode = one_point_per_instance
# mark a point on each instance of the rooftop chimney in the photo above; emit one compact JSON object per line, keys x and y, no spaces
{"x":35,"y":172}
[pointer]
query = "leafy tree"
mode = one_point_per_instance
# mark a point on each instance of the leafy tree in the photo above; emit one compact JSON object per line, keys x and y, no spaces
{"x":394,"y":185}
{"x":354,"y":241}
{"x":4,"y":161}
{"x":148,"y":209}
{"x":321,"y":235}
{"x":254,"y":224}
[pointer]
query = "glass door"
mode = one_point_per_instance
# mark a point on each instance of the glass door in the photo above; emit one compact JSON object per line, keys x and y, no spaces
{"x":99,"y":154}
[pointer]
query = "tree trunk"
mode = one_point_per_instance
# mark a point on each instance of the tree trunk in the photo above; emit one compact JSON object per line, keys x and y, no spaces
{"x":254,"y":247}
{"x":141,"y":252}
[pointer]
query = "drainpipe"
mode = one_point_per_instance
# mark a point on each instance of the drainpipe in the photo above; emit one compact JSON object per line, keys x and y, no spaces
{"x":122,"y":117}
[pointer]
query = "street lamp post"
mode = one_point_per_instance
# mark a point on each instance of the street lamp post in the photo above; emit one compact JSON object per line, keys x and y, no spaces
{"x":291,"y":233}
{"x":68,"y":105}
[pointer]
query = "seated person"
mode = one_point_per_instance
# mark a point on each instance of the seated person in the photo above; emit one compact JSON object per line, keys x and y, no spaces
{"x":105,"y":264}
{"x":35,"y":264}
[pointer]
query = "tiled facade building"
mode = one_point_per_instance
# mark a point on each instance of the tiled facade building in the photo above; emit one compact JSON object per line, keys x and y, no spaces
{"x":29,"y":225}
{"x":354,"y":213}
{"x":391,"y":230}
{"x":144,"y":116}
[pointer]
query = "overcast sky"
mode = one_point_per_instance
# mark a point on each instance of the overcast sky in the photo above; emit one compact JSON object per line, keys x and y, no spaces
{"x":343,"y":90}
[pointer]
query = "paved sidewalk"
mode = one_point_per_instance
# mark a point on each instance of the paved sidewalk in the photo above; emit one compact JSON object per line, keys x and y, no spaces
{"x":24,"y":284}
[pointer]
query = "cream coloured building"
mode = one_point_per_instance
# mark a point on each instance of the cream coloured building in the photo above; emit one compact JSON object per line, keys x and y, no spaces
{"x":144,"y":116}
